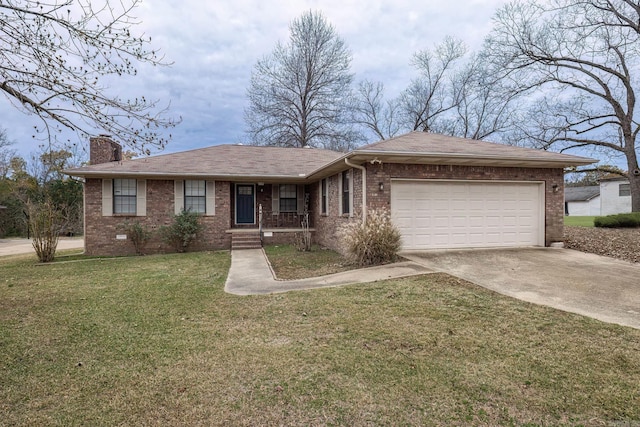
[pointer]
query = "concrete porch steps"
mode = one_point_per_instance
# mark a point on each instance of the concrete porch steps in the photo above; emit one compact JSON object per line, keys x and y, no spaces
{"x":246,"y":241}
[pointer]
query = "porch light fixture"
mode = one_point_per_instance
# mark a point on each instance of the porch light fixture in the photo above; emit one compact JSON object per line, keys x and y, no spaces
{"x":381,"y":186}
{"x":555,"y":188}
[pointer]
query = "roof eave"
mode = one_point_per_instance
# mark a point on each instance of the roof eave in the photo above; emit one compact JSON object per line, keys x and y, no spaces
{"x":172,"y":175}
{"x":470,"y":159}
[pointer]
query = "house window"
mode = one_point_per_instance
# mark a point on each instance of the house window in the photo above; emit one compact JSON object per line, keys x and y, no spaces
{"x":124,"y":196}
{"x":624,"y":190}
{"x":324,"y":201}
{"x":288,"y":198}
{"x":195,"y":196}
{"x":345,"y":192}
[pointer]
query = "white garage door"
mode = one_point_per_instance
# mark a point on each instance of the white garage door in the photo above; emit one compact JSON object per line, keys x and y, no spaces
{"x":463,"y":214}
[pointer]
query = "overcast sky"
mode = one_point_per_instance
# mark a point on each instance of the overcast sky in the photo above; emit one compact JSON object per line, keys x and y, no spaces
{"x":214,"y":46}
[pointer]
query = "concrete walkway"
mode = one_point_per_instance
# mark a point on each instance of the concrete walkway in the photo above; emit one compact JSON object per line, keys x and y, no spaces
{"x":16,"y":246}
{"x":251,"y":274}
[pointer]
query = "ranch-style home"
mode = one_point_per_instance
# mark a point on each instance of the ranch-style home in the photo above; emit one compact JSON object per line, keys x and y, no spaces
{"x":442,"y":192}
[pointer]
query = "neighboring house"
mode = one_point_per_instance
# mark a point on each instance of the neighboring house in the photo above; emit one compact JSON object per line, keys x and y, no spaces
{"x":442,"y":192}
{"x":615,"y":196}
{"x":612,"y":196}
{"x":582,"y":201}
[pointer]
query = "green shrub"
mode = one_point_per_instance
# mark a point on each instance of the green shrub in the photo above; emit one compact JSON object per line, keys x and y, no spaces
{"x":138,"y":234}
{"x":627,"y":220}
{"x":376,"y":241}
{"x":183,"y":231}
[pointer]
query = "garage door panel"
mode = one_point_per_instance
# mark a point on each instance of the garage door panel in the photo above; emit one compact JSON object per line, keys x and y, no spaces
{"x":447,"y":214}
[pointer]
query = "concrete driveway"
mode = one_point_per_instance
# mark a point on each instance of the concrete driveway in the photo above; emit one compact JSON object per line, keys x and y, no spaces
{"x":15,"y":246}
{"x":600,"y":287}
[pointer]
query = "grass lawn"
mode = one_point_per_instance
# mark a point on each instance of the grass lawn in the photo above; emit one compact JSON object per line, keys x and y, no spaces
{"x":155,"y":341}
{"x":579,"y":221}
{"x":289,"y":263}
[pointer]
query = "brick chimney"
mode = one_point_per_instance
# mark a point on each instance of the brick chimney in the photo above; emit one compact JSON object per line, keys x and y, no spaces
{"x":102,"y":149}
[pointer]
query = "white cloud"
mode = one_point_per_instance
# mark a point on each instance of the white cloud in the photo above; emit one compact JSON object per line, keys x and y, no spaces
{"x":214,"y":45}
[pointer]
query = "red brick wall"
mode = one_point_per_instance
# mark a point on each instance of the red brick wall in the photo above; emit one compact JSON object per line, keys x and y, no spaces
{"x":327,"y":226}
{"x":101,"y":231}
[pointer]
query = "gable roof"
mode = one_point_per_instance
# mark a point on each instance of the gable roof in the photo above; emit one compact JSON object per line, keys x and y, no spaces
{"x":581,"y":194}
{"x":463,"y":151}
{"x":250,"y":162}
{"x":218,"y":161}
{"x":431,"y":148}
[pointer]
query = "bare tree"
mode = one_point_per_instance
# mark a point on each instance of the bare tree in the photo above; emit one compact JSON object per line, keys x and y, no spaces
{"x":373,"y":112}
{"x":586,"y":56}
{"x":484,"y":109}
{"x":54,"y":55}
{"x":430,"y":95}
{"x":299,"y":94}
{"x":6,"y":153}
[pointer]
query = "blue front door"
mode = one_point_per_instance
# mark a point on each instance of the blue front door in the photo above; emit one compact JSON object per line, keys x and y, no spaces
{"x":245,"y":204}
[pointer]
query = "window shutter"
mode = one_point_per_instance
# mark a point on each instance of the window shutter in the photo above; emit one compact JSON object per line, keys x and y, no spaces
{"x":351,"y":179}
{"x":300,"y":198}
{"x":328,"y":191}
{"x":275,"y":199}
{"x":210,"y":200}
{"x":178,"y":196}
{"x":340,"y":193}
{"x":107,"y":197}
{"x":141,"y":197}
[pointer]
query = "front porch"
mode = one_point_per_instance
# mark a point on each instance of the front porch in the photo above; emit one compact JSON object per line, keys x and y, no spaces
{"x":269,"y":206}
{"x":264,"y":213}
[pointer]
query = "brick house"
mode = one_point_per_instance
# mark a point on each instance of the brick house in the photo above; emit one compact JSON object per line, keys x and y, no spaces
{"x":442,"y":192}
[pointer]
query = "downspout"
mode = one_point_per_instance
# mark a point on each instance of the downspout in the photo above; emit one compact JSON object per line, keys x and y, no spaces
{"x":364,"y":187}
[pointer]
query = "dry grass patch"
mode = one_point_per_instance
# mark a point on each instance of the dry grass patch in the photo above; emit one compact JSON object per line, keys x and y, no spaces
{"x":289,"y":264}
{"x":155,"y":341}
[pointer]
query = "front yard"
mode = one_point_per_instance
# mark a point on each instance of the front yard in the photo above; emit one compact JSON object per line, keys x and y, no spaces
{"x":155,"y":341}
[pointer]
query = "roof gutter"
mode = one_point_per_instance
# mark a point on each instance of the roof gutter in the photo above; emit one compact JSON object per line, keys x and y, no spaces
{"x":364,"y":187}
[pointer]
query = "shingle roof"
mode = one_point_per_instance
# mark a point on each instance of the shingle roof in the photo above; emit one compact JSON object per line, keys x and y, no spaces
{"x":431,"y":144}
{"x":221,"y":161}
{"x":265,"y":163}
{"x":581,"y":194}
